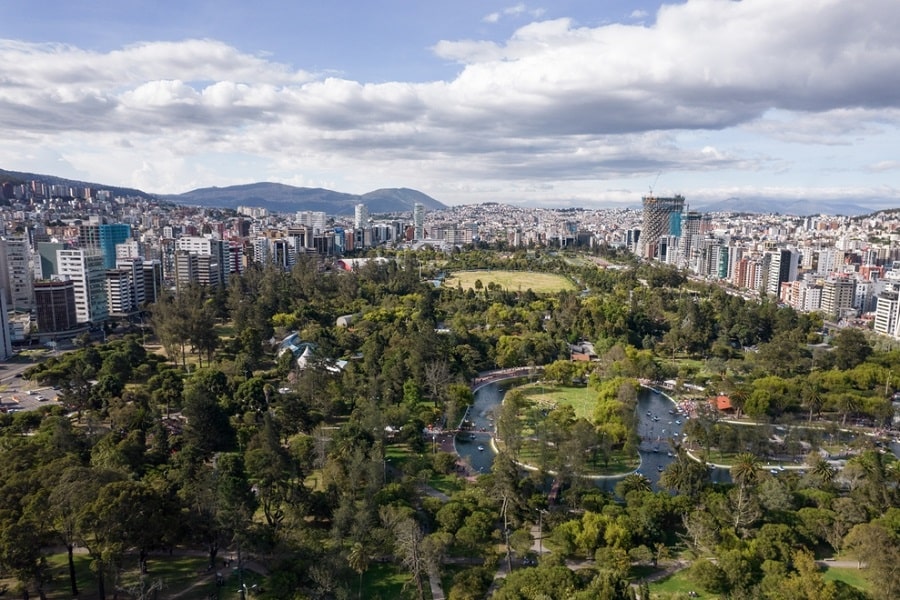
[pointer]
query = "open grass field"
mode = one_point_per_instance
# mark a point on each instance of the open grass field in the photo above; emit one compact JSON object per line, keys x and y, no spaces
{"x":582,"y":399}
{"x":183,"y":577}
{"x":398,"y":456}
{"x":386,"y":582}
{"x":514,"y":281}
{"x":850,"y":576}
{"x":678,"y":586}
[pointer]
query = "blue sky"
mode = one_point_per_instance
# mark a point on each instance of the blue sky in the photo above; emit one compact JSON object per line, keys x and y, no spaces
{"x":569,"y":103}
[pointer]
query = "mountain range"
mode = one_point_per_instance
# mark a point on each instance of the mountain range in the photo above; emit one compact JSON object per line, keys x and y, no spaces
{"x":787,"y":207}
{"x":282,"y":198}
{"x":277,"y":197}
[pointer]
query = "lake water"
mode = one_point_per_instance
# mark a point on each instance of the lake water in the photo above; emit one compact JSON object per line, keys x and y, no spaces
{"x":656,"y":423}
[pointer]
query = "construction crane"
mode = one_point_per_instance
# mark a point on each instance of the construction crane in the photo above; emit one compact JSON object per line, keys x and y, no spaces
{"x":653,"y":185}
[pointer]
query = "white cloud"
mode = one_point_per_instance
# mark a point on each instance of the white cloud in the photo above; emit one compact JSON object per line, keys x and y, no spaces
{"x":884,"y":165}
{"x":515,"y":11}
{"x":556,"y":102}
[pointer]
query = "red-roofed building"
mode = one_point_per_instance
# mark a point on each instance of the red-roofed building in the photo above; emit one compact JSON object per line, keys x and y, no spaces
{"x":722,"y":404}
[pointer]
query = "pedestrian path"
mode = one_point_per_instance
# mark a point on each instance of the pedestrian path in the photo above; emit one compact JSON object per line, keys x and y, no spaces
{"x":437,"y":592}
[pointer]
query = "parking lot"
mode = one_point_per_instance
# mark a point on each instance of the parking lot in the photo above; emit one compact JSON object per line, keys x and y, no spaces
{"x":19,"y":394}
{"x":14,"y":401}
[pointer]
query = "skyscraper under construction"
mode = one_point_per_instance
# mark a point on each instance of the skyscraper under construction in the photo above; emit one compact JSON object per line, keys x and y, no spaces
{"x":662,"y":218}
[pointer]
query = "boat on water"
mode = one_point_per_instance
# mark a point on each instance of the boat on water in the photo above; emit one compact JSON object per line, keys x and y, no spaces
{"x":481,"y":448}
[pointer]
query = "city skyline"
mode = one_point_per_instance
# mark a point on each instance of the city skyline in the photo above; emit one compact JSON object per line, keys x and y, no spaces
{"x":568,"y":104}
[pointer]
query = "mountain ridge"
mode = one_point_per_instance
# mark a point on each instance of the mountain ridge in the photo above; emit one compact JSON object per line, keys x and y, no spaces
{"x":279,"y":197}
{"x":276,"y":197}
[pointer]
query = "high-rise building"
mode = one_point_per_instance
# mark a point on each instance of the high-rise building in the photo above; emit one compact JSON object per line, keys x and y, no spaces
{"x":85,"y":269}
{"x":418,"y":221}
{"x":690,"y":237}
{"x":17,"y":273}
{"x":45,"y":263}
{"x":886,"y":311}
{"x":314,"y":220}
{"x":119,"y":293}
{"x":55,"y":302}
{"x":129,"y":249}
{"x":783,"y":265}
{"x":361,"y":216}
{"x":837,"y":297}
{"x":134,"y":267}
{"x":5,"y":337}
{"x":153,"y":281}
{"x":104,"y":237}
{"x":661,"y":217}
{"x":209,"y":265}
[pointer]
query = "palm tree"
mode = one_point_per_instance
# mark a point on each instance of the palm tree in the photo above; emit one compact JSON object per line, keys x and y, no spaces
{"x":823,"y":472}
{"x":358,"y":560}
{"x":745,"y":470}
{"x":745,"y":473}
{"x":684,"y":475}
{"x":739,"y":398}
{"x":847,"y":404}
{"x":811,"y":397}
{"x":633,"y":482}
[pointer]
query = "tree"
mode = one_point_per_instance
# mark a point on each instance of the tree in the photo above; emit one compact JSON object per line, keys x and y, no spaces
{"x":633,"y":482}
{"x":124,"y":514}
{"x":74,"y":490}
{"x":823,"y":473}
{"x":509,"y":425}
{"x":408,"y":544}
{"x":811,"y":396}
{"x":269,"y":469}
{"x":235,"y":502}
{"x":745,"y":473}
{"x":20,"y":552}
{"x":708,"y":576}
{"x":166,"y":388}
{"x":851,"y":348}
{"x":358,"y":560}
{"x":684,"y":475}
{"x":873,"y":544}
{"x":437,"y":378}
{"x":207,"y":426}
{"x":542,"y":582}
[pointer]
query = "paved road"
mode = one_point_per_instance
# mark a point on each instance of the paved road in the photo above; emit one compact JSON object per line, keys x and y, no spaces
{"x":14,"y":391}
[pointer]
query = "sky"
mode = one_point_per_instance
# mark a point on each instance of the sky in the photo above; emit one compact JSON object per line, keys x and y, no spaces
{"x":566,"y":103}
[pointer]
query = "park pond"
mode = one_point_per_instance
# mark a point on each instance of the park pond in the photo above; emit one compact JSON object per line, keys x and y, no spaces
{"x":657,"y":420}
{"x":659,"y":423}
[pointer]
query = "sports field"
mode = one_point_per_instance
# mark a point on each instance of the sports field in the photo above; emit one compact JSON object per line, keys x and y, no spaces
{"x":513,"y":281}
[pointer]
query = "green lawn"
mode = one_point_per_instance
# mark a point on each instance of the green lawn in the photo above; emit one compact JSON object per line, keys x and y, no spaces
{"x":677,"y":586}
{"x":182,"y":576}
{"x":398,"y":455}
{"x":582,"y":399}
{"x":387,"y":582}
{"x":852,"y":577}
{"x":618,"y":463}
{"x":514,"y":281}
